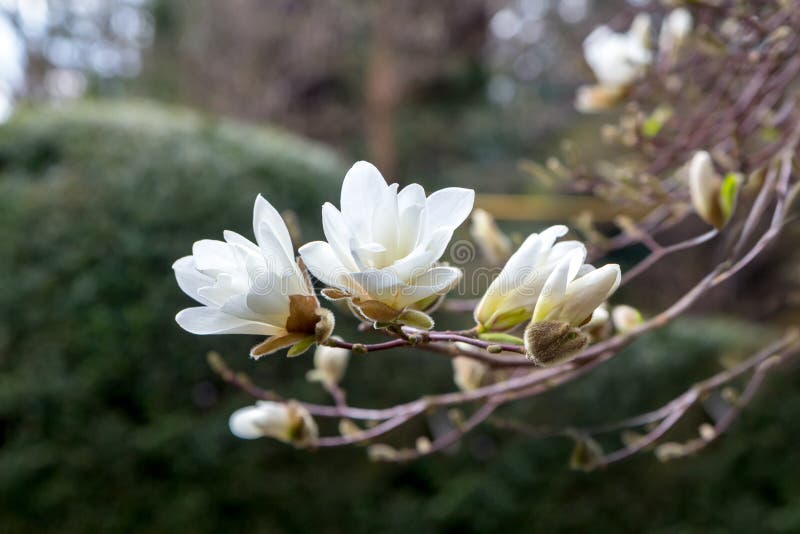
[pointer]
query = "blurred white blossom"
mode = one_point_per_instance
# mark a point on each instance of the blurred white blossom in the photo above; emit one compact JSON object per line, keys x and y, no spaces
{"x":330,"y":364}
{"x":675,"y":28}
{"x":617,"y":60}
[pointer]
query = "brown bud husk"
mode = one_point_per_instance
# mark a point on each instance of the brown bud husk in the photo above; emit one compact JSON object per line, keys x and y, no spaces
{"x":550,"y":343}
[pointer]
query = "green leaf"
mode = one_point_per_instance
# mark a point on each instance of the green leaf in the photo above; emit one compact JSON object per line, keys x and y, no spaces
{"x":655,"y":122}
{"x":499,"y":337}
{"x":300,"y":347}
{"x":728,"y":193}
{"x":416,"y":318}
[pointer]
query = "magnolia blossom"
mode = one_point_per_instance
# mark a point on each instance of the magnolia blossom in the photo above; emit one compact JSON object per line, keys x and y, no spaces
{"x":249,"y":288}
{"x":617,"y":60}
{"x":545,"y":280}
{"x":675,"y":28}
{"x":290,"y":423}
{"x":330,"y":363}
{"x":382,"y":247}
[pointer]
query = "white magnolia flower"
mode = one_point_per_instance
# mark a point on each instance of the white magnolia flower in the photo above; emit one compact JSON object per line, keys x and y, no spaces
{"x":290,"y":423}
{"x":249,"y":288}
{"x":513,"y":297}
{"x":330,"y":363}
{"x":617,"y":60}
{"x":382,"y":247}
{"x":675,"y":28}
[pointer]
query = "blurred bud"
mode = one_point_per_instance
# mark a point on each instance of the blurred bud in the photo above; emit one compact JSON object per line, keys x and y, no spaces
{"x":597,"y":98}
{"x":493,"y":243}
{"x":348,"y":428}
{"x":599,"y":326}
{"x":670,"y":451}
{"x":674,"y":30}
{"x":641,"y":29}
{"x":553,"y":342}
{"x":707,"y":432}
{"x":380,"y":452}
{"x":288,"y":422}
{"x":587,"y":454}
{"x":330,"y":364}
{"x":469,"y":373}
{"x":625,"y":318}
{"x":713,"y":198}
{"x":423,"y":445}
{"x":599,"y":318}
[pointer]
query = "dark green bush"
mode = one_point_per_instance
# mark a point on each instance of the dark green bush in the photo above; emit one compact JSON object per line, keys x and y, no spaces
{"x":110,"y":420}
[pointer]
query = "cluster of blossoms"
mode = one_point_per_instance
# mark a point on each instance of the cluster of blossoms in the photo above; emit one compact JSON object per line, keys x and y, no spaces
{"x":381,"y":258}
{"x":619,"y":59}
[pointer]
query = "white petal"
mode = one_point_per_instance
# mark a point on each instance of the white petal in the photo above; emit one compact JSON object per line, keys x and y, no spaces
{"x":324,"y":264}
{"x":586,"y":293}
{"x":385,"y":220}
{"x":268,"y":297}
{"x":551,"y":234}
{"x":436,"y":243}
{"x":554,"y":291}
{"x":412,"y":195}
{"x":436,"y":281}
{"x":213,"y":256}
{"x":267,"y":219}
{"x":338,"y":234}
{"x":410,"y":222}
{"x":224,"y":287}
{"x":448,"y":208}
{"x":276,"y":261}
{"x":414,"y":264}
{"x":202,"y":320}
{"x":233,"y":238}
{"x":380,"y":284}
{"x":363,"y":185}
{"x":190,"y":280}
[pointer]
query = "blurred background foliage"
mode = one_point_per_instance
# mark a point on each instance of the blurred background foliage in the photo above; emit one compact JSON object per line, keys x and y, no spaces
{"x":109,"y":417}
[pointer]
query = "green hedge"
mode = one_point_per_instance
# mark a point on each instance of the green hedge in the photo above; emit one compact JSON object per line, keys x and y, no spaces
{"x":110,"y":419}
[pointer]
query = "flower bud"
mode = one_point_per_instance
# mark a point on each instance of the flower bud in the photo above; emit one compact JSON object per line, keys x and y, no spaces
{"x":597,"y":98}
{"x":675,"y":28}
{"x":493,"y":243}
{"x":330,"y":364}
{"x":469,"y":373}
{"x":288,"y":422}
{"x":550,"y":343}
{"x":713,"y":197}
{"x":625,"y":318}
